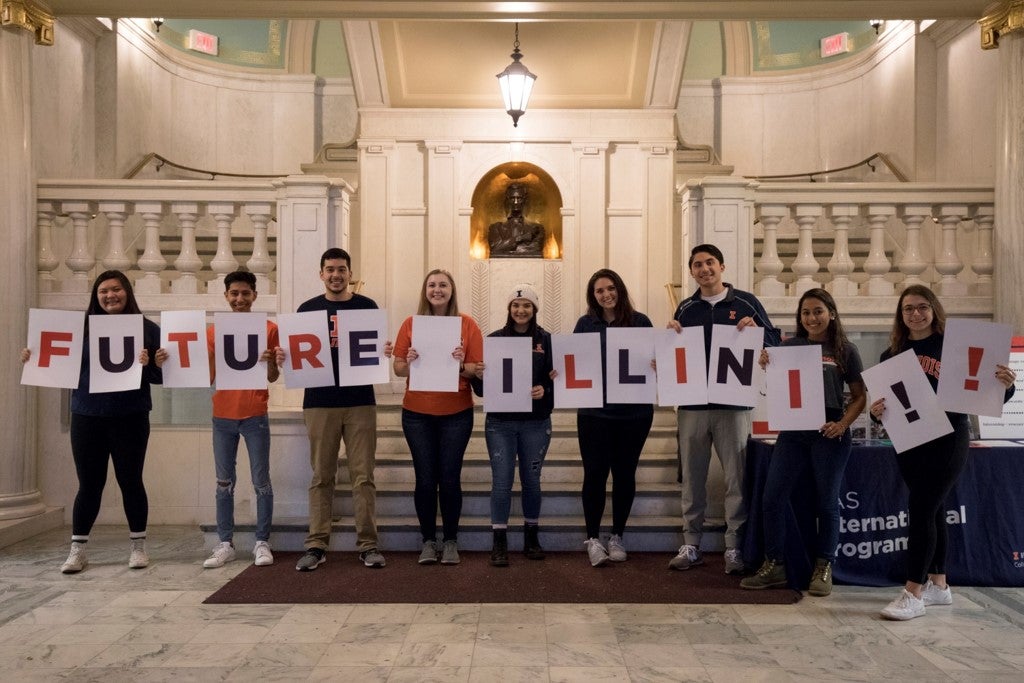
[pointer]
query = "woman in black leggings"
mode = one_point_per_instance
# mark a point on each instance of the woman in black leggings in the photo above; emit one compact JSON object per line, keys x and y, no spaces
{"x":931,"y":469}
{"x":611,"y":437}
{"x":112,"y":426}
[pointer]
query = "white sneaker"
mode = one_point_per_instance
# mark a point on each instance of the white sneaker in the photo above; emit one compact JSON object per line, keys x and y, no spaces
{"x":933,"y":595}
{"x":597,"y":552}
{"x":616,"y":550}
{"x":261,"y":553}
{"x":138,"y":558}
{"x":222,"y":553}
{"x":905,"y":607}
{"x":734,"y":563}
{"x":76,"y":561}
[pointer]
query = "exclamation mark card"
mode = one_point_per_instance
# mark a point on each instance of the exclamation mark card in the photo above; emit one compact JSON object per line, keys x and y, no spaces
{"x":795,"y":392}
{"x":912,"y":412}
{"x":971,"y":350}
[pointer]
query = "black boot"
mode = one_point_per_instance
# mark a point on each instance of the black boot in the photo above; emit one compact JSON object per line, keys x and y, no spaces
{"x":499,"y":551}
{"x":531,"y":544}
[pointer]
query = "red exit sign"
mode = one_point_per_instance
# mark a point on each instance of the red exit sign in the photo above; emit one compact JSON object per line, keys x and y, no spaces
{"x":835,"y":45}
{"x":202,"y":42}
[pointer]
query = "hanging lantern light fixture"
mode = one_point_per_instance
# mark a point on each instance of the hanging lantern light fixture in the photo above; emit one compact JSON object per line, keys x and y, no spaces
{"x":516,"y":84}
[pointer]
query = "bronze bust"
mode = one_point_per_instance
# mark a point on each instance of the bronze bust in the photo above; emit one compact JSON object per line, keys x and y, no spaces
{"x":515,"y":236}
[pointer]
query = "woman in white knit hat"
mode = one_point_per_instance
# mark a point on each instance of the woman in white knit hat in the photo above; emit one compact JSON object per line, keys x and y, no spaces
{"x":524,"y":434}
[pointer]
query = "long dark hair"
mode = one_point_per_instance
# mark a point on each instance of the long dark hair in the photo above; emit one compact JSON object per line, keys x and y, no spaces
{"x":900,"y":332}
{"x":130,"y":304}
{"x":623,"y":306}
{"x":835,"y":336}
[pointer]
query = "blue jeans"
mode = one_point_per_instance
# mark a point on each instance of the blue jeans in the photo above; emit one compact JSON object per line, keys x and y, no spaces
{"x":438,"y":445}
{"x":506,"y":438}
{"x":256,"y":432}
{"x":794,"y":451}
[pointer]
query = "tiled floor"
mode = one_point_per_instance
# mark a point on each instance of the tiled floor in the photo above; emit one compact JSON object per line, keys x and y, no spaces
{"x":111,"y":624}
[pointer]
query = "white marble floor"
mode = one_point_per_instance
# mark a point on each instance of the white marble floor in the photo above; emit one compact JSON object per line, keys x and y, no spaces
{"x":110,"y":623}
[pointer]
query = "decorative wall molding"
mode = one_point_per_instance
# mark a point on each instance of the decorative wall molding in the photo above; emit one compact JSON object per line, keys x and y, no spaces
{"x":28,"y":16}
{"x":1009,"y":18}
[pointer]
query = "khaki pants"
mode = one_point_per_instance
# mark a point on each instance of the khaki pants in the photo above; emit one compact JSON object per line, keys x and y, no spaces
{"x":728,"y":431}
{"x":327,"y":428}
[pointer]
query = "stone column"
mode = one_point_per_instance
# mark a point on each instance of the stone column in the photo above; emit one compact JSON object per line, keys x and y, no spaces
{"x":19,"y":496}
{"x":1004,"y":30}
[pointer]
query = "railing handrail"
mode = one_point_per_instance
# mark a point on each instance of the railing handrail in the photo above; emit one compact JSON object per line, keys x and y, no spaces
{"x":70,"y":189}
{"x":880,"y":156}
{"x":164,"y":161}
{"x":932,"y":193}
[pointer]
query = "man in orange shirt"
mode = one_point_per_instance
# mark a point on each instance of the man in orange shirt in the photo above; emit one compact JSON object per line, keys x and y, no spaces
{"x":243,"y":413}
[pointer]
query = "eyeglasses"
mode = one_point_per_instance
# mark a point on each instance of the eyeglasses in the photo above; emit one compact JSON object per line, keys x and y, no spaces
{"x":921,"y":309}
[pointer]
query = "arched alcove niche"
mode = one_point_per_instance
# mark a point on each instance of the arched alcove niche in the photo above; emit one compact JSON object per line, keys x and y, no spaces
{"x":544,"y":205}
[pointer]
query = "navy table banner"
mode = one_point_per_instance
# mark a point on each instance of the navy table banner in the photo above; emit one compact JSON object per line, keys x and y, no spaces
{"x":985,"y":513}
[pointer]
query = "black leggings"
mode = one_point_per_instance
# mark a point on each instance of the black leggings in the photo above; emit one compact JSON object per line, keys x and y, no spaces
{"x":930,"y":471}
{"x":122,"y":439}
{"x":610,"y":446}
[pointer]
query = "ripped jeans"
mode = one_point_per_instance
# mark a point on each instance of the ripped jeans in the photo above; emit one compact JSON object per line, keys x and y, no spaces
{"x":256,"y":432}
{"x":505,"y":439}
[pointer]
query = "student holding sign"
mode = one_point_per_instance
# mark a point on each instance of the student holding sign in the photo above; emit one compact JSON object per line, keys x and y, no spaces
{"x":112,"y":425}
{"x":825,"y":450}
{"x":931,"y":469}
{"x":613,"y":436}
{"x":725,"y":426}
{"x":524,"y":434}
{"x":438,"y":424}
{"x":242,"y":413}
{"x":340,"y":413}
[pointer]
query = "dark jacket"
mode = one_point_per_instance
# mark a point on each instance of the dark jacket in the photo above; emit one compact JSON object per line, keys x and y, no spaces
{"x":542,"y":364}
{"x":116,"y":403}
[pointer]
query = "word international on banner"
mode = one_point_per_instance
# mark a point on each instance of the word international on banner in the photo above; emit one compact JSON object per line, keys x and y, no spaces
{"x":631,"y":379}
{"x":682,"y":367}
{"x":183,"y":335}
{"x":435,"y":337}
{"x":114,"y":348}
{"x":361,"y":337}
{"x":241,"y":338}
{"x":795,"y":388}
{"x":734,"y":377}
{"x":577,"y":364}
{"x":508,"y":375}
{"x":971,"y":349}
{"x":55,"y":340}
{"x":306,"y":341}
{"x":912,"y":413}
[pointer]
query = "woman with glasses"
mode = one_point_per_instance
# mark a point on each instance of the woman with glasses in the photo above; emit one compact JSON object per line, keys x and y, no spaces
{"x":931,"y":469}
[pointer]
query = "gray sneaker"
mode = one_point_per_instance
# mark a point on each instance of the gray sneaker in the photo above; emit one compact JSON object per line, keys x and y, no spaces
{"x":313,"y":558}
{"x":429,"y":553}
{"x":596,"y":551}
{"x":689,"y":556}
{"x":734,"y":561}
{"x":616,"y":550}
{"x":76,"y":561}
{"x":372,"y":558}
{"x":450,"y":553}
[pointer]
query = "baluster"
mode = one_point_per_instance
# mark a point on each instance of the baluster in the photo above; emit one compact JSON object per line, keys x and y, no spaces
{"x":913,"y":264}
{"x":224,"y":260}
{"x":877,"y":264}
{"x":260,"y":264}
{"x":80,"y":261}
{"x":983,"y":265}
{"x":841,"y":264}
{"x":46,"y":261}
{"x":116,"y":258}
{"x":805,"y":265}
{"x":188,"y":262}
{"x":948,"y":262}
{"x":770,"y":266}
{"x":152,"y":262}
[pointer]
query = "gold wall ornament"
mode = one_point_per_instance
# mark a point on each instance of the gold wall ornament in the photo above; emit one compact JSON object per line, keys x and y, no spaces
{"x":1008,"y":19}
{"x":28,"y":16}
